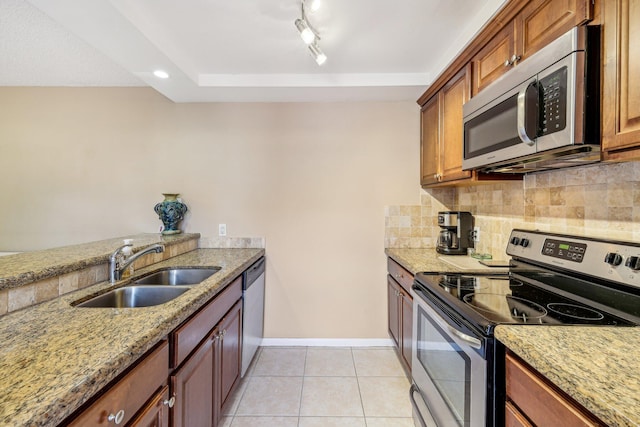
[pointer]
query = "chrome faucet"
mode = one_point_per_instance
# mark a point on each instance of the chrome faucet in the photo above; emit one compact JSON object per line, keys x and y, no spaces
{"x":118,"y":262}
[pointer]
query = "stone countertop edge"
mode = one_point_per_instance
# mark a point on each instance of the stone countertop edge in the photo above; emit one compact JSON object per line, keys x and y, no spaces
{"x":416,"y":260}
{"x":27,"y":267}
{"x":596,"y":365}
{"x":54,"y":357}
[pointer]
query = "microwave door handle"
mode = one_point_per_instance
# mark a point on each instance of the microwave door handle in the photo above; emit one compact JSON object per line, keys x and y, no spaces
{"x":524,"y":97}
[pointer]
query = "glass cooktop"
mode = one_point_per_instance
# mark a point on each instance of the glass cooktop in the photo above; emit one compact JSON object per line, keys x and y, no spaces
{"x":488,"y":300}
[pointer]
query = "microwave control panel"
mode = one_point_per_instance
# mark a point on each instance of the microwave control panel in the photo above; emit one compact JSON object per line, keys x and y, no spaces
{"x":553,"y":102}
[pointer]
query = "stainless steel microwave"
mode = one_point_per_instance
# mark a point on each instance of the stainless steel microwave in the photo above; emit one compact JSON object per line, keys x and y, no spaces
{"x":543,"y":114}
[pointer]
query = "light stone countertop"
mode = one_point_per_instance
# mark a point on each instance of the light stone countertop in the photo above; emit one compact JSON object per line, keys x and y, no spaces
{"x":26,"y":267}
{"x":417,"y":260}
{"x":597,"y":366}
{"x":54,"y":357}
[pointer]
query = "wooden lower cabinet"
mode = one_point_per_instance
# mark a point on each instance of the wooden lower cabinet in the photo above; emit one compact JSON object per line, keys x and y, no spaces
{"x":156,"y":413}
{"x":532,"y":400}
{"x":400,"y":311}
{"x":193,"y":387}
{"x":230,"y":354}
{"x":203,"y":384}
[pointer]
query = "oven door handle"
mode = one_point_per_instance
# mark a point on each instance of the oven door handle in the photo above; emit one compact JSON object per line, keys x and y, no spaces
{"x":472,"y":342}
{"x":413,"y":390}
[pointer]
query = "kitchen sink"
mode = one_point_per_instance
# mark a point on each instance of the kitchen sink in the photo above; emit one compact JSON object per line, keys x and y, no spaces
{"x":177,"y":276}
{"x":135,"y":296}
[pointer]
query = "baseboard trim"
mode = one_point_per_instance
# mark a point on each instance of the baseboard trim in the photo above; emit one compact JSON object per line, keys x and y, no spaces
{"x":327,"y":342}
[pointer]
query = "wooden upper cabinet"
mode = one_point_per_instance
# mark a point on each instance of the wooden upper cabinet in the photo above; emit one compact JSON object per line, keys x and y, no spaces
{"x":430,"y":142}
{"x":454,"y":94}
{"x":621,"y":89}
{"x":536,"y":25}
{"x":441,"y":120}
{"x":492,"y":60}
{"x":542,"y":21}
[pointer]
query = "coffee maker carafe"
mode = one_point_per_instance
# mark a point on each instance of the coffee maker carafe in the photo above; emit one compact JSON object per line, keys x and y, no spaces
{"x":455,"y":233}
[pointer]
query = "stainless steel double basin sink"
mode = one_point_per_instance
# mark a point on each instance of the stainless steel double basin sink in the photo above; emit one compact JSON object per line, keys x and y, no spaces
{"x":152,"y":289}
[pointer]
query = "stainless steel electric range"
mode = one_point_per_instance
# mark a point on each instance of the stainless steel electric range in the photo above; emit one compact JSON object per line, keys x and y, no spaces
{"x":553,"y":279}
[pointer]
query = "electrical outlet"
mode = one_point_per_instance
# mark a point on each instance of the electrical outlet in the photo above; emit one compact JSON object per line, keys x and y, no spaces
{"x":222,"y":229}
{"x":476,"y":234}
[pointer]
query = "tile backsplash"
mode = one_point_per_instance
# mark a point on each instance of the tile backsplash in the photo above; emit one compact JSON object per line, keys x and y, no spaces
{"x":600,"y":200}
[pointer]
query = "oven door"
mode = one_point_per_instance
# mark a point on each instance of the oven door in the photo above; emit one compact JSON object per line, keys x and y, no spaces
{"x":449,"y":369}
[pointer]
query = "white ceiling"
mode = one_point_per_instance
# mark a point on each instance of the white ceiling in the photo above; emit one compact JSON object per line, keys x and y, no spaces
{"x":237,"y":50}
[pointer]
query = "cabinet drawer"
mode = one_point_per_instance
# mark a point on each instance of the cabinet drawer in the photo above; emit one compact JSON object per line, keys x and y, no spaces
{"x":539,"y":400}
{"x":127,"y":396}
{"x":187,"y":337}
{"x":400,"y":275}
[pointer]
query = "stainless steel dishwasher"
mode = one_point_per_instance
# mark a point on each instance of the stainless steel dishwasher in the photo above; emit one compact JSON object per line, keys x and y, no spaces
{"x":253,"y":311}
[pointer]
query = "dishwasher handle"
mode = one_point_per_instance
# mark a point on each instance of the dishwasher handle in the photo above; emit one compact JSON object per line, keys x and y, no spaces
{"x":252,"y":273}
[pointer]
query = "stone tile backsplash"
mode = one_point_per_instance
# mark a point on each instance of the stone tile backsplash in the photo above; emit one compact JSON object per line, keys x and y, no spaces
{"x":599,"y":200}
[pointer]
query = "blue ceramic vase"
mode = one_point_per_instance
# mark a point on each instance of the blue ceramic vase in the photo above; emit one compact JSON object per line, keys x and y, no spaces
{"x":170,"y":211}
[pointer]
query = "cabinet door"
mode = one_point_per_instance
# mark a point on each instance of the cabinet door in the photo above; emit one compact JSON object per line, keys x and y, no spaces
{"x":542,"y":21}
{"x":407,"y":327}
{"x":494,"y":59}
{"x":230,"y":353}
{"x":192,"y":386}
{"x":156,"y":413}
{"x":393,"y":310}
{"x":430,"y":142}
{"x":513,"y":417}
{"x":621,"y":92}
{"x":454,"y":94}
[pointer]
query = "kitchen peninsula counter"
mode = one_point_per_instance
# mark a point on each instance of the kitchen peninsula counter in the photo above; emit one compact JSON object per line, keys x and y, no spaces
{"x":596,"y":366}
{"x":54,"y":356}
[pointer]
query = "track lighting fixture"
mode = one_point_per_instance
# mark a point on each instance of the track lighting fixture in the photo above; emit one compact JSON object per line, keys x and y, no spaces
{"x":308,"y":34}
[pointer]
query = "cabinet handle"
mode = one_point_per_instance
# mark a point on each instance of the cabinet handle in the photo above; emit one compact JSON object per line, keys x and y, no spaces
{"x":117,"y":418}
{"x":512,"y":61}
{"x":170,"y":402}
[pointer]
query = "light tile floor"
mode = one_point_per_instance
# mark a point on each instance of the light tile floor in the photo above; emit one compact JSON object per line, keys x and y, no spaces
{"x":322,"y":387}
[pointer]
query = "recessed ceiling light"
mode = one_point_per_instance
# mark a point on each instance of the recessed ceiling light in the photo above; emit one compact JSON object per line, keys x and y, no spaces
{"x":161,"y":74}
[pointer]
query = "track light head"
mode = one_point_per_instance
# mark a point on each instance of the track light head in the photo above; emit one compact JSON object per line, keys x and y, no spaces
{"x":306,"y":33}
{"x":317,"y":54}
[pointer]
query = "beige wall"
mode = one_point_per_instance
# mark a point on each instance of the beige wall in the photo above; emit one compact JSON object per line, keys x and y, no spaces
{"x":313,"y":179}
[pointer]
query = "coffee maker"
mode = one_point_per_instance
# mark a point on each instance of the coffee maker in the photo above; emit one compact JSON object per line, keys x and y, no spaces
{"x":455,"y":234}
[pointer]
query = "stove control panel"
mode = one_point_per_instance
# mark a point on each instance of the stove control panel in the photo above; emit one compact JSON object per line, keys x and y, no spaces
{"x":617,"y":261}
{"x":564,"y":250}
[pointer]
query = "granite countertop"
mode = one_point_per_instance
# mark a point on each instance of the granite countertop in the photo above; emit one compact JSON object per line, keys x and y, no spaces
{"x":417,"y":260}
{"x":27,"y":267}
{"x":597,"y":366}
{"x":54,"y":357}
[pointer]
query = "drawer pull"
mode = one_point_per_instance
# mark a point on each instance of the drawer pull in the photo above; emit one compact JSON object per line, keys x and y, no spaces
{"x":170,"y":402}
{"x":117,"y":418}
